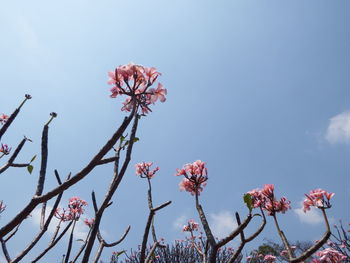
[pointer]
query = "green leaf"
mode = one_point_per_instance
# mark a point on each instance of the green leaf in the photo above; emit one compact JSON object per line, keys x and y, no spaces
{"x":136,"y":139}
{"x":247,"y":198}
{"x":30,"y":168}
{"x":32,"y":160}
{"x":122,"y":138}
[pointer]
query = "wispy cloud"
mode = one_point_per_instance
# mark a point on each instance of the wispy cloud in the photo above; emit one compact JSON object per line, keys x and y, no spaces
{"x":312,"y":217}
{"x":179,"y":222}
{"x":338,"y":130}
{"x":222,"y":223}
{"x":80,"y":231}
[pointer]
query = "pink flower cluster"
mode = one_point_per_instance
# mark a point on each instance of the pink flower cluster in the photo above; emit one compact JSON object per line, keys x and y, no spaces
{"x":265,"y":198}
{"x":74,"y":211}
{"x":89,"y":222}
{"x":5,"y":149}
{"x":135,"y":82}
{"x":196,"y":175}
{"x":318,"y":198}
{"x":191,"y":226}
{"x":3,"y":119}
{"x":144,"y":171}
{"x":270,"y":259}
{"x":329,"y":255}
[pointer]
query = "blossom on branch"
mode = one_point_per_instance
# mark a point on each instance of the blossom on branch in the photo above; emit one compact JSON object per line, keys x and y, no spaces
{"x":196,"y":175}
{"x":74,"y":211}
{"x":135,"y":82}
{"x":143,"y":170}
{"x":89,"y":222}
{"x":265,"y":198}
{"x":191,"y":226}
{"x":270,"y":259}
{"x":5,"y":149}
{"x":3,"y":119}
{"x":318,"y":198}
{"x":329,"y":255}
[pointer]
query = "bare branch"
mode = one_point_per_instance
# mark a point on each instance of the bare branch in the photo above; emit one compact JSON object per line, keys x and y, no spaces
{"x":150,"y":254}
{"x":79,"y":176}
{"x":147,"y":228}
{"x":118,"y":176}
{"x":104,"y":244}
{"x":19,"y":165}
{"x":107,"y":160}
{"x":52,"y":244}
{"x":13,"y":116}
{"x":13,"y":156}
{"x":318,"y":244}
{"x":41,"y":233}
{"x":235,"y":233}
{"x":4,"y":249}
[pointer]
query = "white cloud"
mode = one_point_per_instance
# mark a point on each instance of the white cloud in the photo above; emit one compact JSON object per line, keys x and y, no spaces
{"x":312,"y":217}
{"x":222,"y":223}
{"x":180,"y":222}
{"x":80,"y":231}
{"x":338,"y":130}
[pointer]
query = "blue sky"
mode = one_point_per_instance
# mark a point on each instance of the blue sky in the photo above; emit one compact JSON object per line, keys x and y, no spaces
{"x":259,"y":90}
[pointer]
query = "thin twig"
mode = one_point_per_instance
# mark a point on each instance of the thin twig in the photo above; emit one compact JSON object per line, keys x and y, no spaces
{"x":5,"y":251}
{"x":147,"y":228}
{"x":13,"y":156}
{"x":52,"y":244}
{"x":13,"y":116}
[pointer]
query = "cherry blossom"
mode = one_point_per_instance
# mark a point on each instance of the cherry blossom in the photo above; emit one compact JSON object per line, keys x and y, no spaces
{"x":135,"y":82}
{"x":196,"y":175}
{"x":318,"y":198}
{"x":143,"y":170}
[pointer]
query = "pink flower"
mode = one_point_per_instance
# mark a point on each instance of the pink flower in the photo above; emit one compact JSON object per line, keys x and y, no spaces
{"x":196,"y":175}
{"x":159,"y":93}
{"x":318,"y":198}
{"x":330,"y":255}
{"x":270,"y":259}
{"x":268,"y":190}
{"x":152,"y":74}
{"x":5,"y":149}
{"x":144,"y":171}
{"x":135,"y":81}
{"x":3,"y":118}
{"x":284,"y":253}
{"x":191,"y":226}
{"x":265,"y":199}
{"x":74,"y":211}
{"x":89,"y":222}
